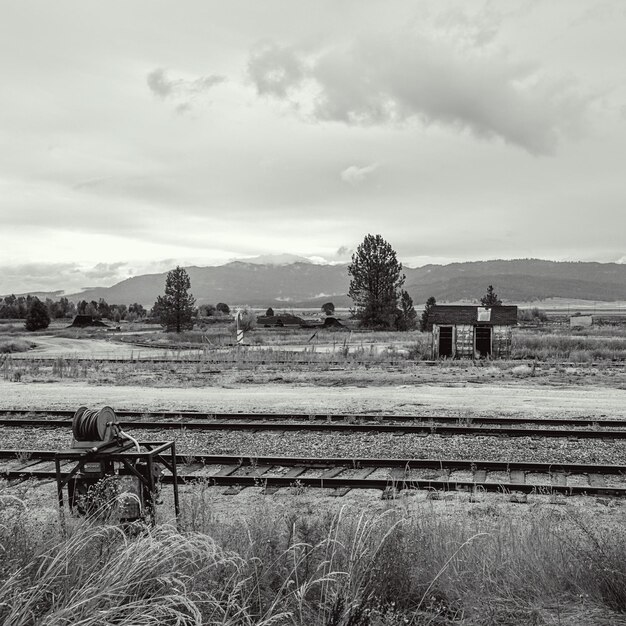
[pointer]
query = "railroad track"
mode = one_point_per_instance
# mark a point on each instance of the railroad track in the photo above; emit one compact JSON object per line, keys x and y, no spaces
{"x":195,"y":360}
{"x":583,"y":428}
{"x":343,"y":474}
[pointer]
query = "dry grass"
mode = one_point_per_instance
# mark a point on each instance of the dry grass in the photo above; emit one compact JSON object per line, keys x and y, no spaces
{"x":8,"y":346}
{"x":565,"y":346}
{"x":296,"y":564}
{"x":13,"y":328}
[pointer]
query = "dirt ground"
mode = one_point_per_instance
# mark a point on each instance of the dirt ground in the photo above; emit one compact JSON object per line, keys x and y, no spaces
{"x":465,"y":399}
{"x":51,"y":346}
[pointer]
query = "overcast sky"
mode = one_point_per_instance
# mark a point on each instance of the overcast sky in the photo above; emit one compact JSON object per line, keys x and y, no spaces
{"x":141,"y":134}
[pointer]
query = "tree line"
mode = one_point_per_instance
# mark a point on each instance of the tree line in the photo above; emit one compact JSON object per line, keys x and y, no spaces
{"x":17,"y":307}
{"x":376,"y":288}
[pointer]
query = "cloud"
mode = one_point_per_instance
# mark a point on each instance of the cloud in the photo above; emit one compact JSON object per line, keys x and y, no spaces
{"x":355,"y":175}
{"x":165,"y":87}
{"x":408,"y":77}
{"x":275,"y":70}
{"x":104,"y":271}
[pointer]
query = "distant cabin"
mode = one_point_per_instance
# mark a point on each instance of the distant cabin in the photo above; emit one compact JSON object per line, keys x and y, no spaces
{"x":285,"y":320}
{"x":81,"y":321}
{"x":471,"y":331}
{"x":581,"y":321}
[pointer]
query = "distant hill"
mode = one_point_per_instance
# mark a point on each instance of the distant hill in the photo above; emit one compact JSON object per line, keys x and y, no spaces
{"x":42,"y":295}
{"x":238,"y":283}
{"x":520,"y":280}
{"x":307,"y":284}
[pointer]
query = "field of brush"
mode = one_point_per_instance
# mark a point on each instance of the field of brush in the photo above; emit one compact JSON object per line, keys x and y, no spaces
{"x":300,"y":557}
{"x":304,"y":560}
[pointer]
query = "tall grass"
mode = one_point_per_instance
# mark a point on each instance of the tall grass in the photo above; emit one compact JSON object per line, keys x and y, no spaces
{"x":568,"y":347}
{"x":8,"y":346}
{"x":298,"y":564}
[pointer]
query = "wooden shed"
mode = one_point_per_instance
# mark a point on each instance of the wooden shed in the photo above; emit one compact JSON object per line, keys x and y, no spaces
{"x":460,"y":331}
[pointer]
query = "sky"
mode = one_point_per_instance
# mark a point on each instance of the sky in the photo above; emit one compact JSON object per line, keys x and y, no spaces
{"x":138,"y":135}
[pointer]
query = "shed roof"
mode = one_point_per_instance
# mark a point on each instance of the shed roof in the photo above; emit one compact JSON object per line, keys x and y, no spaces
{"x":442,"y":314}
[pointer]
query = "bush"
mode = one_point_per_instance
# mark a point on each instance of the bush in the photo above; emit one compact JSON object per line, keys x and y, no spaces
{"x":532,"y":315}
{"x":8,"y":346}
{"x":247,"y":319}
{"x":37,"y":317}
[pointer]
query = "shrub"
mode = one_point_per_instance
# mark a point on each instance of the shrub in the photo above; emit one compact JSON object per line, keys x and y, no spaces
{"x":14,"y":345}
{"x":532,"y":315}
{"x":328,"y":308}
{"x":247,"y":319}
{"x":37,"y":317}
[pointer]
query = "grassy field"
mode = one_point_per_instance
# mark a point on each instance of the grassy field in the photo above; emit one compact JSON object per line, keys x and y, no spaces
{"x":296,"y":564}
{"x":607,"y":342}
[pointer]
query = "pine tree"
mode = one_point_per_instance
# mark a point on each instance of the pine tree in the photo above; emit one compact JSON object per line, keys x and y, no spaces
{"x":37,"y":317}
{"x":490,"y":298}
{"x":269,"y":312}
{"x":430,"y":303}
{"x":407,"y":317}
{"x":376,"y":282}
{"x":175,"y":308}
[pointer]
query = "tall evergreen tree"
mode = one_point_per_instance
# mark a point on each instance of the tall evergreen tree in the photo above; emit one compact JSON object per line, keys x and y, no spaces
{"x":175,"y":308}
{"x":490,"y":298}
{"x":430,"y":303}
{"x":376,"y":282}
{"x":407,"y":317}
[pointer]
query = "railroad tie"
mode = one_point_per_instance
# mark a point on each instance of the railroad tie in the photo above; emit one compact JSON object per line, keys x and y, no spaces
{"x":331,"y":472}
{"x":596,"y":480}
{"x":517,"y":477}
{"x":558,"y":479}
{"x":294,"y":472}
{"x":227,"y":470}
{"x":480,"y":476}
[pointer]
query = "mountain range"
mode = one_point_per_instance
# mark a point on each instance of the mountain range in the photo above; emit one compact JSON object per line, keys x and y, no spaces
{"x":299,"y":283}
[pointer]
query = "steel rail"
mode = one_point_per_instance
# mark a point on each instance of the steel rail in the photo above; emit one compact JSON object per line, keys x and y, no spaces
{"x":360,"y":462}
{"x":251,"y":362}
{"x":196,"y":361}
{"x":178,"y":416}
{"x":423,"y":428}
{"x":260,"y":466}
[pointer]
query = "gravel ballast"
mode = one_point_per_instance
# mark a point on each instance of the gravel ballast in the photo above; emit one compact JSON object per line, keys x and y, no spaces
{"x":350,"y":445}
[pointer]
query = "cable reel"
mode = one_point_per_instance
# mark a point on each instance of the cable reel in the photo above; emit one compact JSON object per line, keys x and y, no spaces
{"x":95,"y":428}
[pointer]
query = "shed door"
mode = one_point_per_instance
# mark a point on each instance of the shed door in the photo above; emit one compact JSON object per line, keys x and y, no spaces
{"x":445,"y":341}
{"x":483,"y":341}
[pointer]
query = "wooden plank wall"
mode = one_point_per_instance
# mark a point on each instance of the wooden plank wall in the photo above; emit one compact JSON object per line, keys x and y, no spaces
{"x":501,"y":341}
{"x":465,"y":341}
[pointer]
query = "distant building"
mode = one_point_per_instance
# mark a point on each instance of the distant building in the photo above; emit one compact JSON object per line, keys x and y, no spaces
{"x":581,"y":321}
{"x":81,"y":321}
{"x":285,"y":319}
{"x":471,"y":331}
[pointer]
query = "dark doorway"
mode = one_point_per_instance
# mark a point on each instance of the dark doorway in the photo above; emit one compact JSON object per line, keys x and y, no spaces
{"x":445,"y":341}
{"x":483,"y":341}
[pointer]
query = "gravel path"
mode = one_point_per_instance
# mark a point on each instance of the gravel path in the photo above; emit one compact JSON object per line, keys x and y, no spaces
{"x":463,"y":399}
{"x":351,"y":445}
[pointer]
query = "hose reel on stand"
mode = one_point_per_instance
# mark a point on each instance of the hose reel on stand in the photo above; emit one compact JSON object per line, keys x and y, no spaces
{"x":99,"y":439}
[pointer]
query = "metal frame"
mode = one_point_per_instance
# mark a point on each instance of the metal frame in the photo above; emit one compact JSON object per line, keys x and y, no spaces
{"x":124,"y":455}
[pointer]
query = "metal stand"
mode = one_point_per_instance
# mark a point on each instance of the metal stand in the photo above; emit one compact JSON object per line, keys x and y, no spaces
{"x":120,"y":459}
